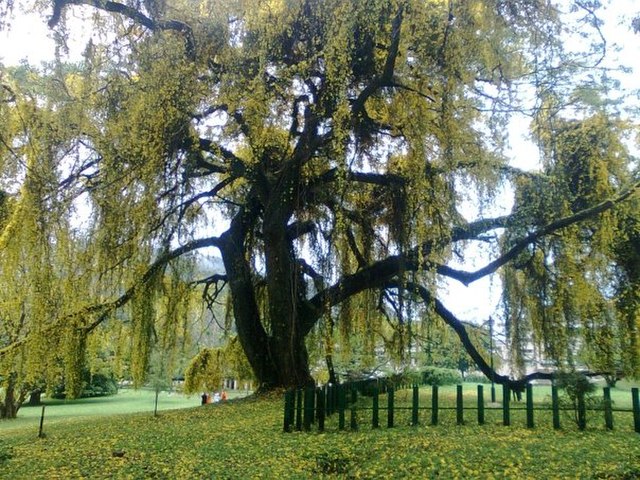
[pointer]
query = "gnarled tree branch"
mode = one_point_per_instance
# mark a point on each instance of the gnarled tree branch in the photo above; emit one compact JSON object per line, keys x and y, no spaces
{"x":467,"y":278}
{"x":133,"y":14}
{"x":101,"y":311}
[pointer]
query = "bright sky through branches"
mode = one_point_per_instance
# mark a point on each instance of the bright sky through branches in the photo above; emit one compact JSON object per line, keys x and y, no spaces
{"x":29,"y":38}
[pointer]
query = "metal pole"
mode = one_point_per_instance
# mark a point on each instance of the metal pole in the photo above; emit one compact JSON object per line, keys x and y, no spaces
{"x":40,"y":432}
{"x":493,"y":387}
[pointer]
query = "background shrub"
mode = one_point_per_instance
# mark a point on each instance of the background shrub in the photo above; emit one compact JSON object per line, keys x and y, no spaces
{"x":5,"y":453}
{"x":96,"y":385}
{"x":578,"y":390}
{"x":440,"y":376}
{"x":477,"y":377}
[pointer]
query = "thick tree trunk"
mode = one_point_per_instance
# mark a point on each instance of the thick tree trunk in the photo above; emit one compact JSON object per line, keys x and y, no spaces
{"x":11,"y":402}
{"x":279,"y":356}
{"x":251,"y":333}
{"x":273,"y":341}
{"x":35,"y":398}
{"x":292,"y":362}
{"x":289,"y":352}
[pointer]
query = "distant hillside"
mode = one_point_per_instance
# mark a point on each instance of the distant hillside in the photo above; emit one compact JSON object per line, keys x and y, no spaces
{"x":209,"y":265}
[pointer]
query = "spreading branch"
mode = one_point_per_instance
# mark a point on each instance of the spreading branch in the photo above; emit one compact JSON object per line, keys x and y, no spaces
{"x":131,"y":13}
{"x":383,"y":179}
{"x":518,"y":384}
{"x":383,"y":271}
{"x":386,"y":78}
{"x":102,"y":311}
{"x":467,"y":278}
{"x":298,"y":229}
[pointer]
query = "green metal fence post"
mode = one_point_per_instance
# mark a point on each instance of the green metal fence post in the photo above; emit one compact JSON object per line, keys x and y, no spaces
{"x":289,"y":409}
{"x":354,"y":418}
{"x":582,"y":412}
{"x":308,"y":408}
{"x":390,"y":401}
{"x":40,"y":428}
{"x":636,"y":409}
{"x":480,"y":405}
{"x":317,"y":394}
{"x":299,"y":409}
{"x":342,"y":401}
{"x":293,"y":410}
{"x":506,"y":414}
{"x":414,"y":411}
{"x":555,"y":406}
{"x":375,"y":416}
{"x":608,"y":412}
{"x":459,"y":405}
{"x":434,"y":405}
{"x":320,"y":407}
{"x":530,"y":423}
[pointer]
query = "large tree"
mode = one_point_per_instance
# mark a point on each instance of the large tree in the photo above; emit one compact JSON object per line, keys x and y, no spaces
{"x":325,"y":149}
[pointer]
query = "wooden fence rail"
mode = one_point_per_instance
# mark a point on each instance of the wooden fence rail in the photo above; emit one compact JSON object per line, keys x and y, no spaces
{"x":304,"y":408}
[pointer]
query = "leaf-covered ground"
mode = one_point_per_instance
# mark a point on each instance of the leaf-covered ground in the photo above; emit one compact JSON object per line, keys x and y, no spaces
{"x":244,"y":439}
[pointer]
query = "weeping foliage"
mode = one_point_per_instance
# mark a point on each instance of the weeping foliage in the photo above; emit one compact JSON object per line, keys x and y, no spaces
{"x":440,"y":346}
{"x":143,"y":335}
{"x":211,"y":366}
{"x":334,"y":144}
{"x":165,"y":320}
{"x":145,"y":122}
{"x":36,"y":250}
{"x":205,"y":371}
{"x":619,"y":338}
{"x":562,"y":292}
{"x":53,"y":267}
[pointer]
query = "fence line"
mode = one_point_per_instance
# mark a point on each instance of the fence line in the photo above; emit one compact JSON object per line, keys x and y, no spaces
{"x":311,"y":406}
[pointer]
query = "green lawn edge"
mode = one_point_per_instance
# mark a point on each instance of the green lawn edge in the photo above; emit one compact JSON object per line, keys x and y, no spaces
{"x":244,"y":439}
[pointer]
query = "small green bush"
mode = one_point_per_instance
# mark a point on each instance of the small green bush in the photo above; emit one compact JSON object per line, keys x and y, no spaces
{"x":5,"y":453}
{"x":579,"y":391}
{"x":440,"y":376}
{"x":367,"y":387}
{"x":96,"y":385}
{"x":408,"y":377}
{"x":100,"y":386}
{"x":476,"y":377}
{"x":332,"y":464}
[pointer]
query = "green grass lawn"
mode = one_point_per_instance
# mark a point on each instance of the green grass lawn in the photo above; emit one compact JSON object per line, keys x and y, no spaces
{"x":620,"y":396}
{"x":125,"y":402}
{"x":244,"y":439}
